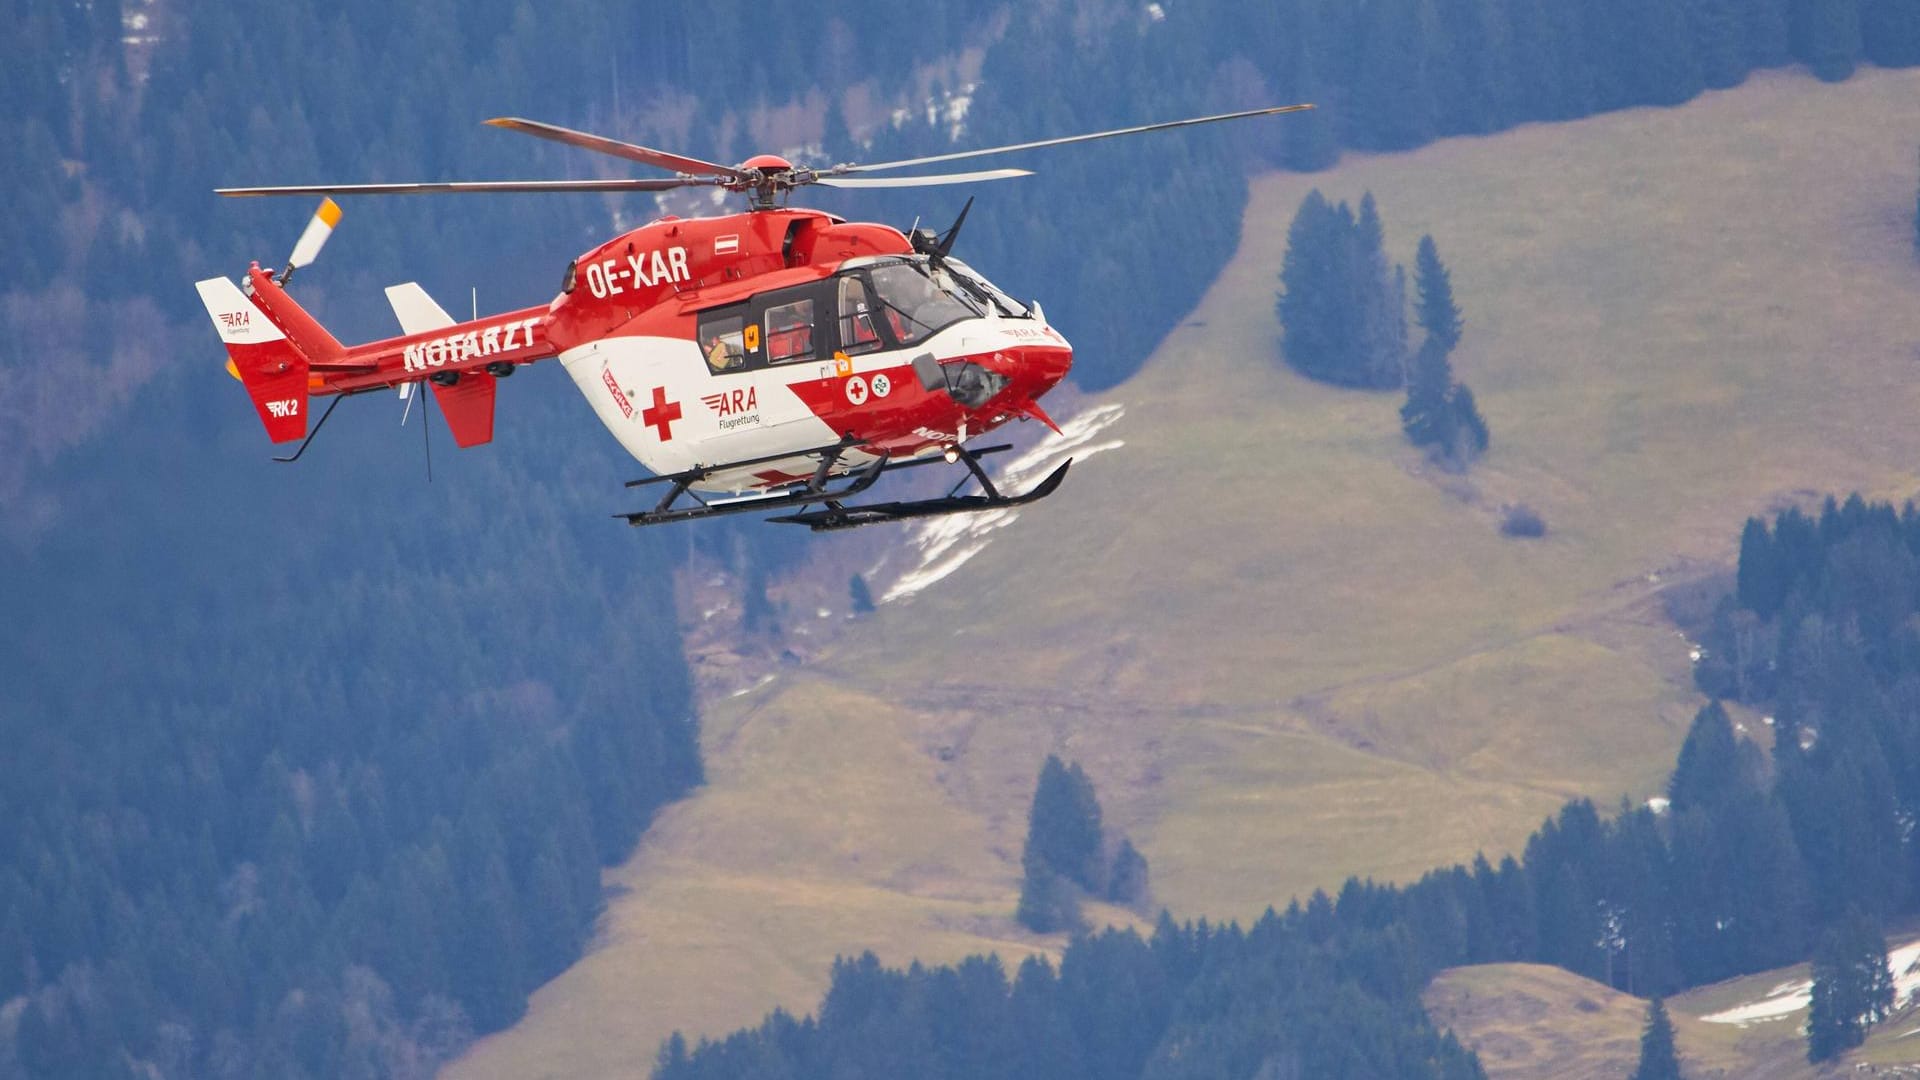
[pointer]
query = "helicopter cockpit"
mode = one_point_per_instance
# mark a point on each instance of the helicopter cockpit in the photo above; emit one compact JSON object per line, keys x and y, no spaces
{"x":874,"y":303}
{"x":914,"y":297}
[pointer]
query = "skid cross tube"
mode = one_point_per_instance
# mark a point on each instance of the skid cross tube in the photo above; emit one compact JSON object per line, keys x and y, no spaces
{"x":836,"y":516}
{"x":701,"y":472}
{"x":858,"y":481}
{"x":814,"y":490}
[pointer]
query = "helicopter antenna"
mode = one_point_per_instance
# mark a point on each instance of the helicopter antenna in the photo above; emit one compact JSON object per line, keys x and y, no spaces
{"x":426,"y":442}
{"x":953,"y":231}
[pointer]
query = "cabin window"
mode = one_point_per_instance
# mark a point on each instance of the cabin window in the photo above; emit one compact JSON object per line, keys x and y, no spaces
{"x":722,"y":342}
{"x":790,"y":332}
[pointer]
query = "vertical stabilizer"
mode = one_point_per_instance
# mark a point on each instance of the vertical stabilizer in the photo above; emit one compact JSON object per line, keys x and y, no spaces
{"x":267,"y":363}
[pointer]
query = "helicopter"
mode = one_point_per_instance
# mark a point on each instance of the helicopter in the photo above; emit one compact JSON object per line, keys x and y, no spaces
{"x":781,"y":358}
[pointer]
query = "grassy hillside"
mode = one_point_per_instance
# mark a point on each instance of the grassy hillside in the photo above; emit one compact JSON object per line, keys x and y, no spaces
{"x":1285,"y":648}
{"x":1530,"y":1022}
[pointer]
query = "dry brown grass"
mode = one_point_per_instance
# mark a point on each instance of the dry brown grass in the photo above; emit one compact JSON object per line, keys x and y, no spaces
{"x":1284,"y":649}
{"x":1532,"y":1022}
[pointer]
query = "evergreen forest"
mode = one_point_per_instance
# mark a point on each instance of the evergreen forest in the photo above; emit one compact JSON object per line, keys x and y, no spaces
{"x":310,"y":771}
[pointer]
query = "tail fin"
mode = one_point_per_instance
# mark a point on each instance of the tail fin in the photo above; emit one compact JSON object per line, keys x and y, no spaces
{"x":271,"y":367}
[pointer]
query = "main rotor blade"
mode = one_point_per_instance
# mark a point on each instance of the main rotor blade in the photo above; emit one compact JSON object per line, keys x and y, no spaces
{"x":646,"y":156}
{"x":467,"y":187}
{"x":1062,"y":141}
{"x":920,"y":181}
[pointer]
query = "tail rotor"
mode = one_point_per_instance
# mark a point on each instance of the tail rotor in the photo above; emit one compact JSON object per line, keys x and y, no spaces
{"x":312,"y":239}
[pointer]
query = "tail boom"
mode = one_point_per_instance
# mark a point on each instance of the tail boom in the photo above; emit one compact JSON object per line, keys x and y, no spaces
{"x":282,"y":355}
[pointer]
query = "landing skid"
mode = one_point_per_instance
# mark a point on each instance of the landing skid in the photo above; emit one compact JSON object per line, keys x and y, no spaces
{"x":834,"y":514}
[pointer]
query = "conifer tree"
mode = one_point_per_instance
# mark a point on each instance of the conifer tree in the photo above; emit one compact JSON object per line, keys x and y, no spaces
{"x":1768,"y":28}
{"x":1471,"y":437}
{"x":1829,"y":40}
{"x":1659,"y":52}
{"x":1393,"y":103}
{"x":1382,"y":301}
{"x":1048,"y":902}
{"x":1720,"y":40}
{"x":1852,"y":987}
{"x":1304,"y":66}
{"x":1890,"y":32}
{"x":1472,"y":73}
{"x":1658,"y":1059}
{"x":1343,"y":319}
{"x":859,"y":596}
{"x":1439,"y":316}
{"x":1426,"y":417}
{"x":757,"y":613}
{"x":1313,"y":314}
{"x":1063,"y":829}
{"x":1127,"y":883}
{"x":1708,"y":772}
{"x":1062,"y":856}
{"x":1441,"y":414}
{"x":1761,"y":581}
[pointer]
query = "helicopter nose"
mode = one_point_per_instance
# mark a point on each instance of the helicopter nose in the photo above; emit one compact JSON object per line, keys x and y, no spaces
{"x":1039,"y":368}
{"x":1051,"y":365}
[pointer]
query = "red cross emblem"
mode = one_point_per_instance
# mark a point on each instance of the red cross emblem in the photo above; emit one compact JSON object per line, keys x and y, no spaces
{"x":780,"y":476}
{"x":661,"y":414}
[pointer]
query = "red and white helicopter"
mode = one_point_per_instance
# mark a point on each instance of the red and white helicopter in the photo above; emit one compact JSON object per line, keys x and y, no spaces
{"x":782,"y":357}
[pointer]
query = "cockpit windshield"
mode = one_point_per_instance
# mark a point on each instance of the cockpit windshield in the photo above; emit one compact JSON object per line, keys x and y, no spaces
{"x":918,"y":299}
{"x":986,"y":290}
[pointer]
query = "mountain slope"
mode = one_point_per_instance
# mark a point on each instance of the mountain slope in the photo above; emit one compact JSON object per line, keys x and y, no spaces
{"x":1287,"y":649}
{"x":1530,"y":1020}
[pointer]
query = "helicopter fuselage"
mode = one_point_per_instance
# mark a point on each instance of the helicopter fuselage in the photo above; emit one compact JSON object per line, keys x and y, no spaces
{"x":707,"y":341}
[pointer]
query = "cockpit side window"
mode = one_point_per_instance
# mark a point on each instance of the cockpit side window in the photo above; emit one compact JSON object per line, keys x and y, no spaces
{"x":858,"y":332}
{"x":915,"y":304}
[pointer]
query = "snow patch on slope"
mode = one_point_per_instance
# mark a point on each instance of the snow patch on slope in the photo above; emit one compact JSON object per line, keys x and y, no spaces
{"x":945,"y":544}
{"x":1791,"y":997}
